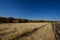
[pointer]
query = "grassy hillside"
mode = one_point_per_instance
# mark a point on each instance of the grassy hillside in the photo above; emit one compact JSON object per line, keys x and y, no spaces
{"x":26,"y":31}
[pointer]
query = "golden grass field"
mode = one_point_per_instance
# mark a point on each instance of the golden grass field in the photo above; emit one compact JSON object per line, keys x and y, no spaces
{"x":26,"y":31}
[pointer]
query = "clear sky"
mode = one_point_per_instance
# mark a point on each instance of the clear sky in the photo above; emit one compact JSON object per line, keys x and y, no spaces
{"x":31,"y":9}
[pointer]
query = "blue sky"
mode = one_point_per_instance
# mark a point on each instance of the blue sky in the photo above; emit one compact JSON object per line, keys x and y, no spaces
{"x":31,"y":9}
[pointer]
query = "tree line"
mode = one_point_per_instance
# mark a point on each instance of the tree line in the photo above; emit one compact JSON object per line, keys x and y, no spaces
{"x":12,"y":20}
{"x":18,"y":20}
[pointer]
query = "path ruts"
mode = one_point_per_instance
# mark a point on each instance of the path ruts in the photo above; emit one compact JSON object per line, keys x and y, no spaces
{"x":26,"y":34}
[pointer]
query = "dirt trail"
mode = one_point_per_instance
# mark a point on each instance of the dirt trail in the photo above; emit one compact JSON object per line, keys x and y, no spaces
{"x":44,"y":33}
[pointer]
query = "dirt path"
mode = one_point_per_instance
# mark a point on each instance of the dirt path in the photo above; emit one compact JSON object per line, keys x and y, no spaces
{"x":44,"y":33}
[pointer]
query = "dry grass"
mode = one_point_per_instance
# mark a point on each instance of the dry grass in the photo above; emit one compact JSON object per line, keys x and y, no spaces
{"x":24,"y":31}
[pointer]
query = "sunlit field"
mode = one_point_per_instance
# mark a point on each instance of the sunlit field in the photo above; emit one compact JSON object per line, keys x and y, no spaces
{"x":26,"y":31}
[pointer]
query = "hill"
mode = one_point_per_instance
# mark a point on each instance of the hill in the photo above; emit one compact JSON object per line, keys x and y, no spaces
{"x":20,"y":20}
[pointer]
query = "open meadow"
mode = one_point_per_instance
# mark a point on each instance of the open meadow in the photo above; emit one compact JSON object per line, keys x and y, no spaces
{"x":26,"y":31}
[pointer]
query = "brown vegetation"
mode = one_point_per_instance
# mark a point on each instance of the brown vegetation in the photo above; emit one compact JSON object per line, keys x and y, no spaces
{"x":26,"y":31}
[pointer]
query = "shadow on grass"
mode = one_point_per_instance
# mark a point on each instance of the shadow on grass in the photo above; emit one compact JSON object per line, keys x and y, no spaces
{"x":56,"y":29}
